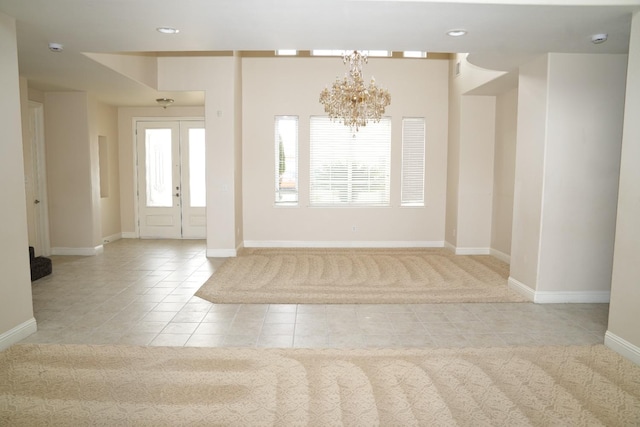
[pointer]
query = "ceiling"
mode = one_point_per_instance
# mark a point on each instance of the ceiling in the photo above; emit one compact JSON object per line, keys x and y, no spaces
{"x":500,"y":35}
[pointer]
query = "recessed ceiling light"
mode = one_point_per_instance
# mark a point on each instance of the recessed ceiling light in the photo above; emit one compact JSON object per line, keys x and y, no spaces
{"x":167,"y":30}
{"x":456,"y":33}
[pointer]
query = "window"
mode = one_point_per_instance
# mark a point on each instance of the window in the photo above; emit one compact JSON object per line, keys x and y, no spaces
{"x":197,"y":186}
{"x":286,"y":52}
{"x":369,"y":53}
{"x":414,"y":54}
{"x":413,"y":147}
{"x":349,"y":168}
{"x":286,"y":160}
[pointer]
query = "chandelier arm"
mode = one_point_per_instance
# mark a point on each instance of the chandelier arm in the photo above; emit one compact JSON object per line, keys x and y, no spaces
{"x":350,"y":100}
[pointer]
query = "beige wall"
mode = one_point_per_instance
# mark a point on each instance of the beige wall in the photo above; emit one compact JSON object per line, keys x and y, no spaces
{"x":625,"y":290}
{"x":527,"y":193}
{"x":453,"y":154}
{"x":36,"y":95}
{"x":70,"y":178}
{"x":475,"y":181}
{"x":471,"y":122}
{"x":581,"y":169}
{"x":291,"y":86}
{"x":104,"y":122}
{"x":239,"y":208}
{"x":127,"y":156}
{"x":217,"y":77}
{"x":16,"y":308}
{"x":567,"y":161}
{"x":504,"y":171}
{"x":29,"y":177}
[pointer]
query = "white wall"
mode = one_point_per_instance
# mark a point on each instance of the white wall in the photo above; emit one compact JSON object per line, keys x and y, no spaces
{"x":623,"y":332}
{"x":291,"y":86}
{"x":16,"y":308}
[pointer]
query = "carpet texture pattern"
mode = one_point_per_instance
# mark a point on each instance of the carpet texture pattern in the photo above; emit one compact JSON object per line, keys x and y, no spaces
{"x":79,"y":385}
{"x":352,"y":276}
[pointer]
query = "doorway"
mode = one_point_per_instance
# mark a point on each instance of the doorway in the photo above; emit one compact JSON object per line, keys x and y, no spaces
{"x":36,"y":183}
{"x":171,"y":179}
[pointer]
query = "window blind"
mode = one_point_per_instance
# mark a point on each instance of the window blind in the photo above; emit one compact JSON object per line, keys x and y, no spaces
{"x":349,"y":168}
{"x":413,"y":159}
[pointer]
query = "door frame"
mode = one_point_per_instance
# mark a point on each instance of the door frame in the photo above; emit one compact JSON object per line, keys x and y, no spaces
{"x":134,"y":127}
{"x":39,"y":162}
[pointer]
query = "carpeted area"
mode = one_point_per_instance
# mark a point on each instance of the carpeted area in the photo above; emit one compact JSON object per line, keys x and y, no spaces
{"x":119,"y":385}
{"x":348,"y":276}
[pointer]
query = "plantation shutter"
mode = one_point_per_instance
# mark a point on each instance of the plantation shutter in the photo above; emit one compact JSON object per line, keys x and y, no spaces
{"x":349,"y":168}
{"x":413,"y":158}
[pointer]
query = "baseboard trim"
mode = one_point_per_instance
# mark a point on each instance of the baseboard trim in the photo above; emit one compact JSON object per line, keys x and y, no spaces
{"x":78,"y":251}
{"x":221,"y":253}
{"x":473,"y":251}
{"x":572,"y":297}
{"x":559,"y":297}
{"x":341,"y":244}
{"x":622,"y":347}
{"x":522,"y":289}
{"x":500,"y":255}
{"x":18,"y":333}
{"x":449,"y":246}
{"x":112,"y":238}
{"x":129,"y":235}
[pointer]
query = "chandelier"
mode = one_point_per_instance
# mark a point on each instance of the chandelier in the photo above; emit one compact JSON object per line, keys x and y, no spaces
{"x":350,"y":100}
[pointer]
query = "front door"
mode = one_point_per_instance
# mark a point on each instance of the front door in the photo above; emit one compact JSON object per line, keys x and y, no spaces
{"x":171,"y":179}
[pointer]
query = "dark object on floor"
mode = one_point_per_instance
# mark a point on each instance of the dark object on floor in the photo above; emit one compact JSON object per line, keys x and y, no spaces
{"x":40,"y":266}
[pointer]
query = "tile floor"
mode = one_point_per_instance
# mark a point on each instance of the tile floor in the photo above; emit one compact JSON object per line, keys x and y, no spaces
{"x":140,"y":292}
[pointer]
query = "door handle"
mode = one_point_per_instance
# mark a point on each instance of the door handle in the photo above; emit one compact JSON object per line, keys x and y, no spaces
{"x":36,"y":201}
{"x":177,"y":194}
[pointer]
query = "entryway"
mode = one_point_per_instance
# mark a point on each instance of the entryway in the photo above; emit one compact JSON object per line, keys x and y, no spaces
{"x":36,"y":183}
{"x":171,"y":179}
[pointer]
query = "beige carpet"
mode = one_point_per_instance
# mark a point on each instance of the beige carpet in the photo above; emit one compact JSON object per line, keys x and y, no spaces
{"x":109,"y":385}
{"x":334,"y":276}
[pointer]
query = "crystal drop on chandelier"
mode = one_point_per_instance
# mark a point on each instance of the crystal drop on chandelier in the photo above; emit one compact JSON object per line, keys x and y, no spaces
{"x":350,"y":100}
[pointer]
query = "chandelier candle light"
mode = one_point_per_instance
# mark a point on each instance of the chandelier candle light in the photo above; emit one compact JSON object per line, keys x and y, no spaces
{"x":350,"y":100}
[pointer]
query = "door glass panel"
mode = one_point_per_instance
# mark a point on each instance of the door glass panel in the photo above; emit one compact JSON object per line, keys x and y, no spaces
{"x":159,"y":167}
{"x":196,"y":169}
